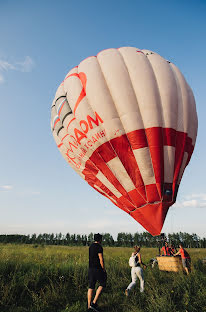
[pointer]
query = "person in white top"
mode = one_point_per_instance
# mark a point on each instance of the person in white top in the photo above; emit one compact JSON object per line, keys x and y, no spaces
{"x":135,"y":262}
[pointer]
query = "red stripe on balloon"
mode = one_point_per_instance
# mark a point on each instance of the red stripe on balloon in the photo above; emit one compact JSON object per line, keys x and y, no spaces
{"x":61,"y":109}
{"x":96,"y":182}
{"x":152,"y":193}
{"x":72,"y":75}
{"x":119,"y":147}
{"x":56,"y":122}
{"x":106,"y":151}
{"x":124,"y":202}
{"x":179,"y":154}
{"x":136,"y":196}
{"x":124,"y":152}
{"x":80,"y":98}
{"x":98,"y":162}
{"x":93,"y":181}
{"x":70,"y":122}
{"x":189,"y":148}
{"x":82,"y":77}
{"x":140,"y":52}
{"x":155,"y":144}
{"x":90,"y":168}
{"x":169,"y":136}
{"x":126,"y":156}
{"x":137,"y":139}
{"x":102,"y":166}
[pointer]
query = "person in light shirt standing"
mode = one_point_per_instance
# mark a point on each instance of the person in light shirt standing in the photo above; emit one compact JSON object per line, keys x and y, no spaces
{"x":186,"y":260}
{"x":135,"y":262}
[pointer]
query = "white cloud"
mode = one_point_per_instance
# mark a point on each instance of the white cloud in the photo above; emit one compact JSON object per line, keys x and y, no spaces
{"x":27,"y":193}
{"x":35,"y":193}
{"x":200,"y":196}
{"x":190,"y":203}
{"x":193,"y":201}
{"x":6,"y":187}
{"x":1,"y":79}
{"x":24,"y":66}
{"x":6,"y":66}
{"x":203,"y":205}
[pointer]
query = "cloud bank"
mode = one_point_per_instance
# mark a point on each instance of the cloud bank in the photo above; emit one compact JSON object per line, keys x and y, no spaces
{"x":192,"y":201}
{"x":6,"y":187}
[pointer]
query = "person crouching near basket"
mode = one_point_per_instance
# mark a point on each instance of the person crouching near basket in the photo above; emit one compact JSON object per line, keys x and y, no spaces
{"x":135,"y":262}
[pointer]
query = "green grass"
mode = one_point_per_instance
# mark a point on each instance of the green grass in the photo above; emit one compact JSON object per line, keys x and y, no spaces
{"x":54,"y":279}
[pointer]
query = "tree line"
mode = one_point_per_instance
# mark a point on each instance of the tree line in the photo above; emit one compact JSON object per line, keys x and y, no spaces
{"x":123,"y":239}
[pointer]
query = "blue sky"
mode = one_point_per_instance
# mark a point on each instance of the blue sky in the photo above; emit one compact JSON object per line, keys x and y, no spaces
{"x":40,"y":42}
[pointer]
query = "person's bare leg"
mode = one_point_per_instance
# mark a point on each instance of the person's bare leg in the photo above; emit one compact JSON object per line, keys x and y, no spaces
{"x":89,"y":296}
{"x":186,"y":270}
{"x":98,"y":292}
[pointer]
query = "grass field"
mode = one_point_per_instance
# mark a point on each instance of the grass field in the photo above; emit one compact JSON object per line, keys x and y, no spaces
{"x":54,"y":279}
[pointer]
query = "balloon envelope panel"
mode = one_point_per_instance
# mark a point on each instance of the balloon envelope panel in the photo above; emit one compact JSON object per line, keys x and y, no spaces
{"x":126,"y":122}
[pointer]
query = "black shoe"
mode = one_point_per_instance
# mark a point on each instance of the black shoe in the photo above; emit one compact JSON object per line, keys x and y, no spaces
{"x":94,"y":307}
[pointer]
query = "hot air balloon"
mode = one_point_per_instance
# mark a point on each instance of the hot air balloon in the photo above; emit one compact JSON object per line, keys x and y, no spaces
{"x":126,"y":122}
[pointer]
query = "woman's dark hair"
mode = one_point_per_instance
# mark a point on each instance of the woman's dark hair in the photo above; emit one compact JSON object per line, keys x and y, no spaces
{"x":97,"y":237}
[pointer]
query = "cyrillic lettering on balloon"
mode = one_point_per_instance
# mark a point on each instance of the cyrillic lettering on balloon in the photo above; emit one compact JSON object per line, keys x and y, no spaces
{"x":79,"y":135}
{"x":95,"y":121}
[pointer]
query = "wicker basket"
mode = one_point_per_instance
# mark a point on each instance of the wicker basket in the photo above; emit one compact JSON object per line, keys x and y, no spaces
{"x":170,"y":264}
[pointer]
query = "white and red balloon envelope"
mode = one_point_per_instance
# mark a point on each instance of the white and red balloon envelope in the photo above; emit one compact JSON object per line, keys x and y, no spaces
{"x":126,"y":122}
